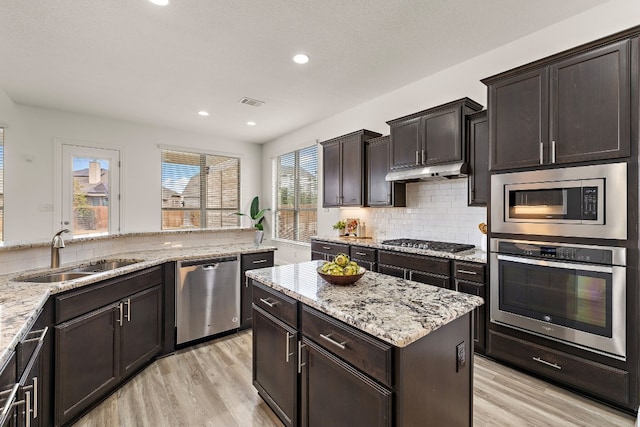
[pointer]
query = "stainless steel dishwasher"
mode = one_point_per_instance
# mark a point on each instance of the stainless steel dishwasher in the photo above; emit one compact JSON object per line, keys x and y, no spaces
{"x":207,"y":297}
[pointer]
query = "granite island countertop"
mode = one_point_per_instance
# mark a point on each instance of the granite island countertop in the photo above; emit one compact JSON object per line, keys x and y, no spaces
{"x":471,"y":255}
{"x":394,"y":310}
{"x":21,"y":302}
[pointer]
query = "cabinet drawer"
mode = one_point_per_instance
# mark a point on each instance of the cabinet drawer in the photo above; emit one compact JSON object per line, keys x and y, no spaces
{"x":415,"y":262}
{"x":91,"y":297}
{"x":363,"y":253}
{"x":365,"y":353}
{"x":329,"y":248}
{"x":259,"y":260}
{"x":602,"y":380}
{"x":280,"y":306}
{"x":472,"y":272}
{"x":431,"y":279}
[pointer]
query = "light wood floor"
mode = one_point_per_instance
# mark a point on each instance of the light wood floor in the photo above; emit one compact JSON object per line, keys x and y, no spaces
{"x":210,"y":385}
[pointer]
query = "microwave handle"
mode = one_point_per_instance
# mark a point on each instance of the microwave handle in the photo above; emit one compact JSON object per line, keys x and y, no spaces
{"x":556,"y":264}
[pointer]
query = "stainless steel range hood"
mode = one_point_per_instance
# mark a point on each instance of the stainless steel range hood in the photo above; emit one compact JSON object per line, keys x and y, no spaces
{"x":430,"y":173}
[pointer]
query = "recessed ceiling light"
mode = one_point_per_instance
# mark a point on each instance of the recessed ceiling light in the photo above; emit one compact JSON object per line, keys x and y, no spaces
{"x":160,"y":2}
{"x":203,"y":113}
{"x":301,"y":58}
{"x":251,"y":123}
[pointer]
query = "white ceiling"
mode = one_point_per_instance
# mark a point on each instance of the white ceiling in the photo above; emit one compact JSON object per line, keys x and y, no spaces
{"x":134,"y":61}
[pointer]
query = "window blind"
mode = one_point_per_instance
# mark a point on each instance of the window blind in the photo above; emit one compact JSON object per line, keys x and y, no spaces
{"x":297,"y":195}
{"x":199,"y":190}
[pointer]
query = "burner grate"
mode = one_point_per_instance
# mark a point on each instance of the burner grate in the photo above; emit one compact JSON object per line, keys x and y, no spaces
{"x":430,"y":245}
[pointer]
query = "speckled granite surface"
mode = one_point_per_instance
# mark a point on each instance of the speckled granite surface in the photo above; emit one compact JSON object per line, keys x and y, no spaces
{"x":22,"y":302}
{"x":472,"y":255}
{"x":394,"y":310}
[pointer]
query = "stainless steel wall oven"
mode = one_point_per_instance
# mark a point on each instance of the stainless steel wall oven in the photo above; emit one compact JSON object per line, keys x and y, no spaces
{"x":571,"y":293}
{"x":582,"y":201}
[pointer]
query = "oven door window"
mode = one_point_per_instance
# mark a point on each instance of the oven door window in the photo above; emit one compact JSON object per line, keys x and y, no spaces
{"x":573,"y":298}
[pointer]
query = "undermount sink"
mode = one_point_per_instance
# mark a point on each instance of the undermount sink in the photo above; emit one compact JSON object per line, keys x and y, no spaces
{"x":56,"y":277}
{"x":79,"y":272}
{"x":105,"y":265}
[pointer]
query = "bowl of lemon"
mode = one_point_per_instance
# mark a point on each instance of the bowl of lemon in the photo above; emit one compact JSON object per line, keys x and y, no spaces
{"x":341,"y":271}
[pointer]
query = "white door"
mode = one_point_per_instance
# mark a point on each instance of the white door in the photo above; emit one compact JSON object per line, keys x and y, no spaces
{"x":90,"y":190}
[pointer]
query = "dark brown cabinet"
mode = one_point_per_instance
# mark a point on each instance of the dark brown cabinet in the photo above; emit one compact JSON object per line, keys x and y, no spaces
{"x":343,"y":169}
{"x":470,"y":278}
{"x":275,"y":352}
{"x":365,"y":257}
{"x":106,"y":332}
{"x":8,"y":381}
{"x":353,"y":398}
{"x":573,"y":109}
{"x":379,"y":191}
{"x":250,"y":262}
{"x":431,"y":137}
{"x":419,"y":268}
{"x":326,"y":251}
{"x":478,"y":134}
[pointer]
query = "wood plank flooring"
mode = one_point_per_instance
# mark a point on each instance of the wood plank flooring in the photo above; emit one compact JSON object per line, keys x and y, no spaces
{"x":210,"y":385}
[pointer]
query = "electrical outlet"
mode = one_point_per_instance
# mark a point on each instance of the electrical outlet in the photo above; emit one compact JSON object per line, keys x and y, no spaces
{"x":461,"y":357}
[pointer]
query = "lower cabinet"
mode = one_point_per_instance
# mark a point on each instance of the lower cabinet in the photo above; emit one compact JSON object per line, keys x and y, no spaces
{"x":250,"y":262}
{"x":353,"y":398}
{"x":8,"y":382}
{"x":96,"y":351}
{"x":470,"y":278}
{"x":419,"y":268}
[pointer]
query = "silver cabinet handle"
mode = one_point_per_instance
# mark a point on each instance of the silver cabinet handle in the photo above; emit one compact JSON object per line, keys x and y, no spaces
{"x":417,"y":159}
{"x":340,"y":345}
{"x":288,"y":347}
{"x":35,"y":397}
{"x":128,"y":304}
{"x":259,"y":261}
{"x":361,"y":253}
{"x":27,"y":408}
{"x":300,"y":364}
{"x":327,"y":248}
{"x":544,"y":362}
{"x":422,"y":157}
{"x":467,"y":272}
{"x":269,"y":303}
{"x":120,"y":314}
{"x":10,"y":400}
{"x":42,"y":333}
{"x":541,"y":153}
{"x":553,"y":151}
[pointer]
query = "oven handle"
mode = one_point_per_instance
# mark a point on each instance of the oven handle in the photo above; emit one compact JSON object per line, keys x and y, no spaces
{"x":556,"y":264}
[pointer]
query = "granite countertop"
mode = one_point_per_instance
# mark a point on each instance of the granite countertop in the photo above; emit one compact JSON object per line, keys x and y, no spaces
{"x":471,"y":255}
{"x":394,"y":310}
{"x":22,"y":302}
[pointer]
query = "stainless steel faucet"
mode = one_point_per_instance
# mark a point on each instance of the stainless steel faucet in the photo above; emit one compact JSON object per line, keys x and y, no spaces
{"x":56,"y":243}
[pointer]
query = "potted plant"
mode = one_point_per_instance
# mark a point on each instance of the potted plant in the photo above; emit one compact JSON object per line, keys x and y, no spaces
{"x":257,"y":217}
{"x":340,"y":226}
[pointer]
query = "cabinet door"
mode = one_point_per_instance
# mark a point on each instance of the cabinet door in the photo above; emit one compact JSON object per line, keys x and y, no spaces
{"x":250,"y":262}
{"x":31,"y":396}
{"x":7,"y":382}
{"x":275,"y":364}
{"x":336,"y":394}
{"x":140,"y":333}
{"x":478,"y":313}
{"x":86,"y":351}
{"x":519,"y":120}
{"x":379,"y":193}
{"x":352,"y":171}
{"x":405,"y":143}
{"x":442,"y":136}
{"x":590,"y":110}
{"x":331,"y":175}
{"x":479,"y":159}
{"x":430,"y":279}
{"x":391,"y":271}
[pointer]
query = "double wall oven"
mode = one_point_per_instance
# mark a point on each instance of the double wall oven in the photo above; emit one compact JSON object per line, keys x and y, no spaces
{"x":565,"y":291}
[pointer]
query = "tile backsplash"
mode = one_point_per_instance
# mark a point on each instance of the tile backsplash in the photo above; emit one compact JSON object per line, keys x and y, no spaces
{"x":436,"y":210}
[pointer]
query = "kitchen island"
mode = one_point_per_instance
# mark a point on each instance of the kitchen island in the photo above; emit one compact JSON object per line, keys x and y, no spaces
{"x":384,"y":351}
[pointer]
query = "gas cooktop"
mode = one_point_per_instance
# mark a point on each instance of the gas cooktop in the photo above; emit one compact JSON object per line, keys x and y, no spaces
{"x":427,"y":244}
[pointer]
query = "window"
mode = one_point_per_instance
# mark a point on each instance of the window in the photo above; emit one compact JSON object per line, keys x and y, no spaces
{"x":1,"y":184}
{"x":91,"y":190}
{"x":296,"y":214}
{"x":199,"y":190}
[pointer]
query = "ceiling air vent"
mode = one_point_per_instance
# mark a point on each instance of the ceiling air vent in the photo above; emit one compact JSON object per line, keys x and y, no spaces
{"x":252,"y":102}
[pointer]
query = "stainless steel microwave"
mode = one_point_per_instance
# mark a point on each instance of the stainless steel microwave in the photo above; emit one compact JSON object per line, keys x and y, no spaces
{"x":581,"y":201}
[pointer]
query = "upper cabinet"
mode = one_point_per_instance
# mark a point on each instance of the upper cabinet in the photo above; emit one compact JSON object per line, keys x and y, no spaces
{"x":575,"y":108}
{"x":343,"y":167}
{"x":431,"y":137}
{"x":478,"y":134}
{"x":379,"y":191}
